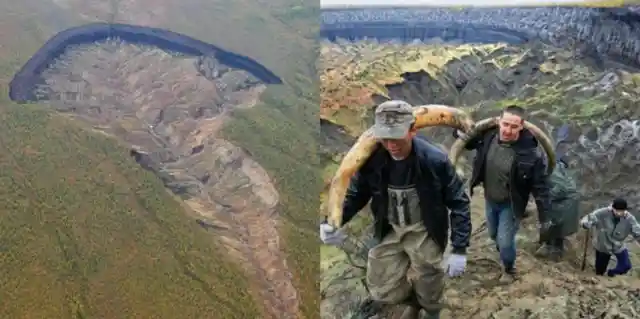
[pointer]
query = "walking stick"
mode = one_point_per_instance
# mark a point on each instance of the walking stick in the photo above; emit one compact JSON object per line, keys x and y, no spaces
{"x":586,"y":246}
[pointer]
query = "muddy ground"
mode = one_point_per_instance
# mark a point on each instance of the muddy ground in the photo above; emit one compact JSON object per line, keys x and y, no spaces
{"x":557,"y":87}
{"x":544,"y":289}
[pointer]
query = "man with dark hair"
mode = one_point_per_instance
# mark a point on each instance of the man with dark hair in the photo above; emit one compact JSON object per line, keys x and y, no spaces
{"x":510,"y":167}
{"x":515,"y":110}
{"x":613,"y":224}
{"x":415,"y":193}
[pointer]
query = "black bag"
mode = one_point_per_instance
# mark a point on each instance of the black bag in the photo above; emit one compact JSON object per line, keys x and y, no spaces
{"x":565,"y":197}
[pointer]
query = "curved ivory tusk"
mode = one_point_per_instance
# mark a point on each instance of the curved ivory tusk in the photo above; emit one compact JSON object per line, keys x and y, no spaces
{"x":426,"y":116}
{"x":490,"y":123}
{"x":458,"y":146}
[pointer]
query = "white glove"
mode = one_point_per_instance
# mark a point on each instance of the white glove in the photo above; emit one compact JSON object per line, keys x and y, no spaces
{"x":331,"y":236}
{"x":456,"y":265}
{"x":585,"y":224}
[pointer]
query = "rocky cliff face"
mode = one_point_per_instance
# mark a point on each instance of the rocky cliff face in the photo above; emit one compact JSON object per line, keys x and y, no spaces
{"x":596,"y":32}
{"x":169,"y":108}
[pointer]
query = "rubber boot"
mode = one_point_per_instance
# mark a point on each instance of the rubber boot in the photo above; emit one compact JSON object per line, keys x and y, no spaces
{"x":558,"y":249}
{"x":412,"y":310}
{"x":414,"y":313}
{"x":435,"y":314}
{"x":545,"y":250}
{"x":552,"y":244}
{"x":411,"y":313}
{"x":552,"y":250}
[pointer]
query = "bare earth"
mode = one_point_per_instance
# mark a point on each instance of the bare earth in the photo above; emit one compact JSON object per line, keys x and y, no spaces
{"x":557,"y":87}
{"x":161,"y":105}
{"x":544,"y":289}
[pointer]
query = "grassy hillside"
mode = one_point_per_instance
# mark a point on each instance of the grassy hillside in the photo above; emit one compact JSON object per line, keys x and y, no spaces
{"x":85,"y":233}
{"x":280,"y":134}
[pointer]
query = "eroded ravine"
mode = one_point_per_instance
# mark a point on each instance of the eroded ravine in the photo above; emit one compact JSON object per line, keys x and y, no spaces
{"x":169,"y":108}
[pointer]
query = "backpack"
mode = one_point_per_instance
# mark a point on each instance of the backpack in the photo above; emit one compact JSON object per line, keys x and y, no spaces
{"x":565,"y":201}
{"x":562,"y":183}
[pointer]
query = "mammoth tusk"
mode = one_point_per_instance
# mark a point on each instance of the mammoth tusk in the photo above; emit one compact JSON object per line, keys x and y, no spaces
{"x":546,"y":143}
{"x":442,"y":115}
{"x":490,"y":123}
{"x":425,"y":116}
{"x":458,"y":146}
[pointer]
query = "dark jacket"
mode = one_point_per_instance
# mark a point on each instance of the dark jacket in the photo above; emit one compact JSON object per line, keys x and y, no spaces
{"x":439,"y":189}
{"x":528,"y":172}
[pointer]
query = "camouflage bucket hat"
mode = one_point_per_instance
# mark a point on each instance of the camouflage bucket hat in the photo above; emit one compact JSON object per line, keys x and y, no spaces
{"x":393,"y":120}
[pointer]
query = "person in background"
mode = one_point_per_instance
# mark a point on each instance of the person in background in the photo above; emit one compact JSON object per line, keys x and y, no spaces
{"x":564,"y":215}
{"x":612,"y":226}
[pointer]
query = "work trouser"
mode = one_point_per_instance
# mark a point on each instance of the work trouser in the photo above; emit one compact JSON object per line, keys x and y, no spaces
{"x":503,"y":226}
{"x":553,"y":238}
{"x":552,"y":234}
{"x":407,"y":263}
{"x":623,"y":263}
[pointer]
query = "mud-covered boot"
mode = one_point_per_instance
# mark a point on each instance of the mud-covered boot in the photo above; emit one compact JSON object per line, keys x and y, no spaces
{"x":557,"y":251}
{"x":509,"y":275}
{"x":411,"y":312}
{"x":551,"y":250}
{"x":414,"y":313}
{"x":431,"y":314}
{"x":545,"y":251}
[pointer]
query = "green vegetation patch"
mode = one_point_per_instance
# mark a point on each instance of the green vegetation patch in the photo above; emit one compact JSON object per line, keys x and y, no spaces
{"x":85,"y":232}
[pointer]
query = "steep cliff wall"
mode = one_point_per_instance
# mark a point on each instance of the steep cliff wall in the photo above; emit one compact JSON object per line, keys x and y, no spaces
{"x":593,"y":31}
{"x":25,"y":81}
{"x":449,"y":31}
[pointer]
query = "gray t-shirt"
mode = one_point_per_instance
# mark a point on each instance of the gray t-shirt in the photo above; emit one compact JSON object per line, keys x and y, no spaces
{"x":497,"y":171}
{"x":404,"y":204}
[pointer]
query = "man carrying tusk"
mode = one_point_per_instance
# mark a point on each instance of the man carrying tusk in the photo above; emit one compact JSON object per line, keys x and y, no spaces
{"x":510,"y":167}
{"x":414,"y":192}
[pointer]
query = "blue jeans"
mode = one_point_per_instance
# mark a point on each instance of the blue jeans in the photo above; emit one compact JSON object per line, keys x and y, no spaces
{"x":623,"y":264}
{"x":503,"y":226}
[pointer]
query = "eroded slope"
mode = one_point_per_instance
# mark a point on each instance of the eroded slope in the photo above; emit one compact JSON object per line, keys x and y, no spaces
{"x":86,"y":233}
{"x":557,"y":87}
{"x":279,"y":132}
{"x":169,"y":108}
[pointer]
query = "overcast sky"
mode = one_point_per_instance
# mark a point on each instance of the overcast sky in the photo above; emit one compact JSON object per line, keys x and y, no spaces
{"x":400,"y":3}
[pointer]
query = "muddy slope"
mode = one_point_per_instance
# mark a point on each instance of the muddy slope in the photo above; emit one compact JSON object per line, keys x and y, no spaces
{"x":558,"y":87}
{"x":170,"y":115}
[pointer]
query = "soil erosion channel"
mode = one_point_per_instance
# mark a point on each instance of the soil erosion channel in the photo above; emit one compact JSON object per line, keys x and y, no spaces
{"x":169,"y":108}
